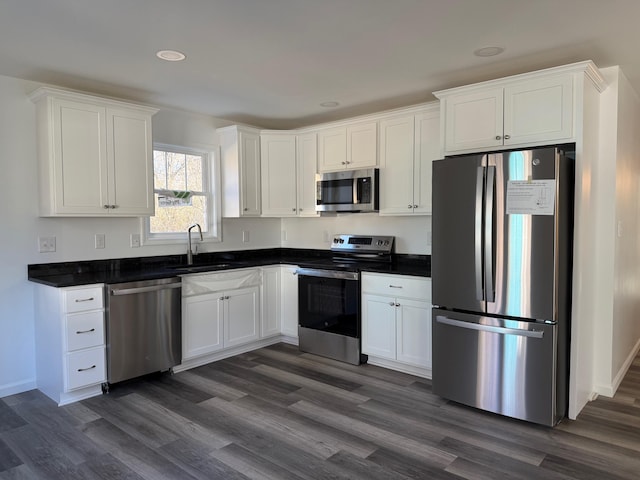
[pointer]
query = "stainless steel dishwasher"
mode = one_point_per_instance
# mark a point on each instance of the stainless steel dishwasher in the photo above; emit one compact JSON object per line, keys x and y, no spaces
{"x":144,"y":328}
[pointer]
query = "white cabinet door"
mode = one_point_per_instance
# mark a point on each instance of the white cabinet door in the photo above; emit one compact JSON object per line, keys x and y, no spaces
{"x":241,"y":316}
{"x":130,"y":165}
{"x":279,"y":176}
{"x":427,"y":149}
{"x":332,"y":149}
{"x":362,"y":145}
{"x":379,"y":326}
{"x":240,"y":168}
{"x":289,"y":309}
{"x":270,"y":320}
{"x":307,"y":166}
{"x":79,"y":158}
{"x":249,"y":145}
{"x":349,"y":147}
{"x":539,"y":110}
{"x":202,"y":324}
{"x":474,"y":120}
{"x":396,"y":165}
{"x":414,"y":332}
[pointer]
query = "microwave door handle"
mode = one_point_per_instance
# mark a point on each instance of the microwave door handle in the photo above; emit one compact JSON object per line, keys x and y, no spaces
{"x":356,"y":191}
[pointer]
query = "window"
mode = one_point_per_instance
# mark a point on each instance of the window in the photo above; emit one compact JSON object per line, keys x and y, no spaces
{"x":186,"y":192}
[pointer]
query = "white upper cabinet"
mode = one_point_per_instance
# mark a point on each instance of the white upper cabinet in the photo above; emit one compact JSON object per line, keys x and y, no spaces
{"x":408,"y":145}
{"x":348,"y":147}
{"x":288,"y":163}
{"x":278,"y":163}
{"x":307,"y":166}
{"x":95,"y":155}
{"x":240,"y":164}
{"x":520,"y":111}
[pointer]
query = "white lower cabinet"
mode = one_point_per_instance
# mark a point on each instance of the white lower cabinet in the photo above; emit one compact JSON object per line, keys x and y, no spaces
{"x":289,"y":300}
{"x":270,"y":319}
{"x":70,"y":336}
{"x":220,"y":310}
{"x":396,"y":321}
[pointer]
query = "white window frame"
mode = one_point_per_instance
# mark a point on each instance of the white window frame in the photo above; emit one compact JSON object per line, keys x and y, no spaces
{"x":210,"y":183}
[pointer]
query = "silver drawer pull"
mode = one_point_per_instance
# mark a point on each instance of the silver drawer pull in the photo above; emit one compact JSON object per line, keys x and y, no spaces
{"x":78,"y":332}
{"x":395,"y":286}
{"x":85,"y":369}
{"x":90,"y":299}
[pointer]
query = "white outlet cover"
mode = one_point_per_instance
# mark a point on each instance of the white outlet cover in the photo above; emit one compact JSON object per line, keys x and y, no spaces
{"x":134,"y":240}
{"x":100,"y":240}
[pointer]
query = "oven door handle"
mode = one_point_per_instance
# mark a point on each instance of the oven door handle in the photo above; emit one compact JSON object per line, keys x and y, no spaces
{"x":314,"y":272}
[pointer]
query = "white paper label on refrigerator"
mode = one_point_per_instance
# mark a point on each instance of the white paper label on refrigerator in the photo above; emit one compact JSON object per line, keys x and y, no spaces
{"x":534,"y":197}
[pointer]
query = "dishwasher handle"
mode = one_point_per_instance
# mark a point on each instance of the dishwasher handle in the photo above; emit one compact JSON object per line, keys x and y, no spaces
{"x":151,"y":288}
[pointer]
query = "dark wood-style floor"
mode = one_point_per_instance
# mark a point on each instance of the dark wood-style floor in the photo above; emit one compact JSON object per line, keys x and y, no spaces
{"x":278,"y":414}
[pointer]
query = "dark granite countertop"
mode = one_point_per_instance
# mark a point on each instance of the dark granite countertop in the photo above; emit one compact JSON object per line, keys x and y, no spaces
{"x":68,"y":274}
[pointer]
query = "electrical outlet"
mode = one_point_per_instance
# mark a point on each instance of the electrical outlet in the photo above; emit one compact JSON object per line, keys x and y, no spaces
{"x":245,"y":236}
{"x":46,"y":244}
{"x":134,"y":240}
{"x":99,"y":240}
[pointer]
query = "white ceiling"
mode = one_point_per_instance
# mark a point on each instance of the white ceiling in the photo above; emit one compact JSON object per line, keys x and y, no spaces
{"x":271,"y":63}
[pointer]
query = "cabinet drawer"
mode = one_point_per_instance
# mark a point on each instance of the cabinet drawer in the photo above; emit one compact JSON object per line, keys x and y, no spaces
{"x":82,"y":299}
{"x":397,"y":286}
{"x":84,"y":330}
{"x":84,"y":368}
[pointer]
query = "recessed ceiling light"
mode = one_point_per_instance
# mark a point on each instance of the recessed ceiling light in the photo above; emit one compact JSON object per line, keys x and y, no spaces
{"x":488,"y":51}
{"x":329,"y":104}
{"x":171,"y":55}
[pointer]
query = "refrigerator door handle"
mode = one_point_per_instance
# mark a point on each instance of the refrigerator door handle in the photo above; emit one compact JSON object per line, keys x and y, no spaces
{"x":490,"y":328}
{"x":478,"y":233}
{"x":488,"y":235}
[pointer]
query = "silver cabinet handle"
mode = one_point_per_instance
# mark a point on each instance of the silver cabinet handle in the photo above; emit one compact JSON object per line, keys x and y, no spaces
{"x":415,"y":206}
{"x":105,"y":206}
{"x":392,"y":304}
{"x":221,"y":298}
{"x":409,"y":207}
{"x":79,"y":300}
{"x":245,"y":209}
{"x":507,"y":137}
{"x":226,"y":297}
{"x":85,"y":369}
{"x":293,"y":209}
{"x":395,"y":286}
{"x":80,"y":332}
{"x":397,"y":304}
{"x":498,"y":137}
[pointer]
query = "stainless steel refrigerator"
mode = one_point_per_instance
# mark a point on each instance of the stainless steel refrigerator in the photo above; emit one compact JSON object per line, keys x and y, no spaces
{"x":501,"y":270}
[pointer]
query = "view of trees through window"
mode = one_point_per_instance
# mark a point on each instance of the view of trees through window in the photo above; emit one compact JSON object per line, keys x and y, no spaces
{"x":180,"y":191}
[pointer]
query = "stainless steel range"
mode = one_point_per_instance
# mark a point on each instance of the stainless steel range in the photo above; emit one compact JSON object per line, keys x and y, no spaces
{"x":329,"y":297}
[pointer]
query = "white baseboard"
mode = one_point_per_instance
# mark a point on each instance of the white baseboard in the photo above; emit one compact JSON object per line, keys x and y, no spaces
{"x":610,"y":390}
{"x":400,"y":367}
{"x":17,"y":387}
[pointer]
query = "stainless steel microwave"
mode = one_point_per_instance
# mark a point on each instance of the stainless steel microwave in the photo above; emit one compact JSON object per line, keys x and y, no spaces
{"x":347,"y":191}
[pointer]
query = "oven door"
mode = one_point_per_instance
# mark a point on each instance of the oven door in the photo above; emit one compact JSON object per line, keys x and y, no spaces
{"x":329,"y":301}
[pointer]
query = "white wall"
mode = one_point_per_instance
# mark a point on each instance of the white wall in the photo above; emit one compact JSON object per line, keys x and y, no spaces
{"x":618,"y":333}
{"x":20,"y":225}
{"x":413,"y":233}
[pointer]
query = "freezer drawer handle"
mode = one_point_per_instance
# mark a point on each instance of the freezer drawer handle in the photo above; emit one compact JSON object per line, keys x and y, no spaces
{"x":490,"y":328}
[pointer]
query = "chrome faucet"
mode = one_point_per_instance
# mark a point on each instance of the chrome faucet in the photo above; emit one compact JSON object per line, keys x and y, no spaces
{"x":189,"y":251}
